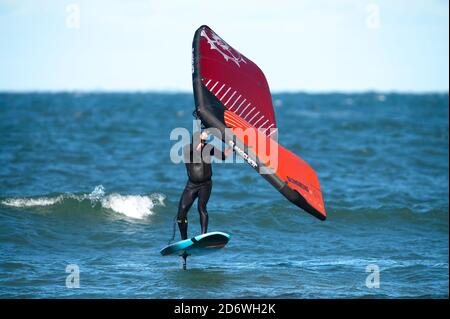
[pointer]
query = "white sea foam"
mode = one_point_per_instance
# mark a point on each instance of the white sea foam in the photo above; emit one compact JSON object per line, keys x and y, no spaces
{"x":158,"y":198}
{"x":30,"y":202}
{"x":133,"y":206}
{"x":97,"y":193}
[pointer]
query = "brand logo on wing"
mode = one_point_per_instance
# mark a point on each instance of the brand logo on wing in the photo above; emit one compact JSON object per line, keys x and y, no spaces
{"x":299,"y":184}
{"x":227,"y":52}
{"x":243,"y":154}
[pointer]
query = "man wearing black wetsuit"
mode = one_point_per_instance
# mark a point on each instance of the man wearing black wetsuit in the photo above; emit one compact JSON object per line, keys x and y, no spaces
{"x":197,"y":157}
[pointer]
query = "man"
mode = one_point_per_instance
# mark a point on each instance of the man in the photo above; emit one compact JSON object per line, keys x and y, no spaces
{"x":197,"y":157}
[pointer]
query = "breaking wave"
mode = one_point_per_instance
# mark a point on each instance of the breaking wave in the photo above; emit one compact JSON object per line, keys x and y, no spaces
{"x":133,"y":206}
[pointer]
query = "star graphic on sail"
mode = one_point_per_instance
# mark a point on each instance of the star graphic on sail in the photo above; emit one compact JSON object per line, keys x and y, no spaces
{"x":223,"y":48}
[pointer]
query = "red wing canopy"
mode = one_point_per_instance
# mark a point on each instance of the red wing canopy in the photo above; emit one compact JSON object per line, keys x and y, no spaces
{"x":235,"y":80}
{"x":232,"y":92}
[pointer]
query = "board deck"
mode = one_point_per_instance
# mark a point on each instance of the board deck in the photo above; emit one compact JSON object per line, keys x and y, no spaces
{"x":198,"y":245}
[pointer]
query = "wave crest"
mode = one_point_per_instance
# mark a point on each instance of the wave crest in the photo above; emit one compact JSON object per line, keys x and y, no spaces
{"x":133,"y":206}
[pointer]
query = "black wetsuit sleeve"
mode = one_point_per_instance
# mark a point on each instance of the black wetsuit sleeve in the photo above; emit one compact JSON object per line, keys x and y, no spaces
{"x":217,"y":153}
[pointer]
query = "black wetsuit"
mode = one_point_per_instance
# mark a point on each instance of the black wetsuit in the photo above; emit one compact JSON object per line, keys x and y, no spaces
{"x":199,"y":170}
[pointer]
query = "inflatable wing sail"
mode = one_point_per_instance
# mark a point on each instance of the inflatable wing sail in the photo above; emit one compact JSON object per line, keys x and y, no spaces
{"x":232,"y":92}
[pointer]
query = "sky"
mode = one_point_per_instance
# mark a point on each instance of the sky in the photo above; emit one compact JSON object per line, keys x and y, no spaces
{"x":311,"y":46}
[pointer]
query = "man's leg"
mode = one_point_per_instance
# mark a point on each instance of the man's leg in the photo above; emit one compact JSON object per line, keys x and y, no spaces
{"x":186,"y":201}
{"x":203,"y":197}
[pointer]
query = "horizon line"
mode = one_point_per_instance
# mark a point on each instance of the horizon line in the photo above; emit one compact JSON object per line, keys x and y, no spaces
{"x":173,"y":91}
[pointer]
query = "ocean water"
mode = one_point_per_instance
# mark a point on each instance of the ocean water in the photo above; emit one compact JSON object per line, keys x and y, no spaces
{"x":86,"y":183}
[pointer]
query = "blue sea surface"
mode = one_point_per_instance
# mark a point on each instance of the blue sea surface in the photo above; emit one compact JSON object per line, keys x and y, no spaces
{"x":86,"y":182}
